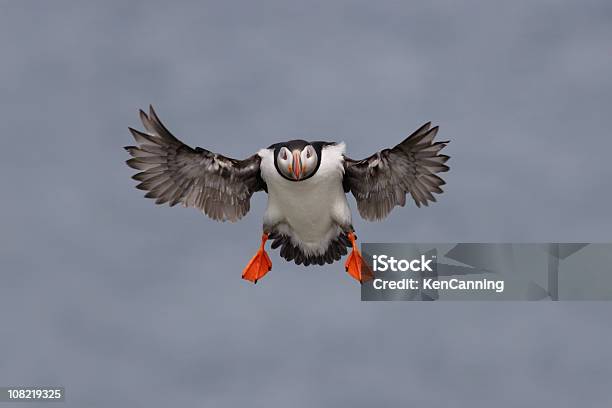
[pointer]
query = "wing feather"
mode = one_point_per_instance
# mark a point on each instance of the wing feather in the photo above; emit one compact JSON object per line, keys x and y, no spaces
{"x":382,"y":181}
{"x":172,"y":172}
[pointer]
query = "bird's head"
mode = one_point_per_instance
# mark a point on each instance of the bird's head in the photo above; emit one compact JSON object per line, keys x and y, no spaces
{"x":297,"y":160}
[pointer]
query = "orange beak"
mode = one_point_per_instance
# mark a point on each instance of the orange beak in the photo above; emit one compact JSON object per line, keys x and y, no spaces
{"x":296,"y":166}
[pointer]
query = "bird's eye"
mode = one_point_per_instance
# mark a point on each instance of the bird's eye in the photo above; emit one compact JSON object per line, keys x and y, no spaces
{"x":308,"y":160}
{"x":284,"y":154}
{"x":309,"y":152}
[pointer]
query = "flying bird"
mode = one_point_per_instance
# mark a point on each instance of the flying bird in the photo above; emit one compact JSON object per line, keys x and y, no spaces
{"x":307,"y":214}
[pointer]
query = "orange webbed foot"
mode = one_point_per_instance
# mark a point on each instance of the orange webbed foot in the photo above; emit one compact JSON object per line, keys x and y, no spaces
{"x":259,"y":265}
{"x":355,"y":265}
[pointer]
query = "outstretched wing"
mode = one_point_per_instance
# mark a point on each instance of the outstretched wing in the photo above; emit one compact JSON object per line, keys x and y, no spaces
{"x":172,"y":172}
{"x":382,"y":181}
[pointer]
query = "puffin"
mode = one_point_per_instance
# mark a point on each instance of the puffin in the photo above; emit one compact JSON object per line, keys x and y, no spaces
{"x":307,"y":215}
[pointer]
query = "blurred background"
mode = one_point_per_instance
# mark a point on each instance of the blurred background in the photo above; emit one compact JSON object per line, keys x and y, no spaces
{"x":130,"y":304}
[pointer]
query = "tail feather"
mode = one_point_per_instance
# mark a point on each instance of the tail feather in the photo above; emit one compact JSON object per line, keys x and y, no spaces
{"x":335,"y":250}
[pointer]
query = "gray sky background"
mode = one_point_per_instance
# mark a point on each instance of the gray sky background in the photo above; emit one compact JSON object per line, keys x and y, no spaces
{"x":129,"y":304}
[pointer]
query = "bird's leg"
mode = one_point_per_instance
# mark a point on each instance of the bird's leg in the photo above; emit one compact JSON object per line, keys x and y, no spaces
{"x":355,"y":265}
{"x":260,"y":264}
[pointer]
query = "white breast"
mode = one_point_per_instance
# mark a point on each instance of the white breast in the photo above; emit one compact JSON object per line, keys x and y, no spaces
{"x":309,"y":211}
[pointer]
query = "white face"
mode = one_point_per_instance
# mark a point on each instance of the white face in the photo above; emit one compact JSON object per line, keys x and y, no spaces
{"x":298,"y":164}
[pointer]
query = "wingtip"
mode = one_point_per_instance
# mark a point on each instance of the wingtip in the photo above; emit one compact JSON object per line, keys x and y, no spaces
{"x":143,"y":116}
